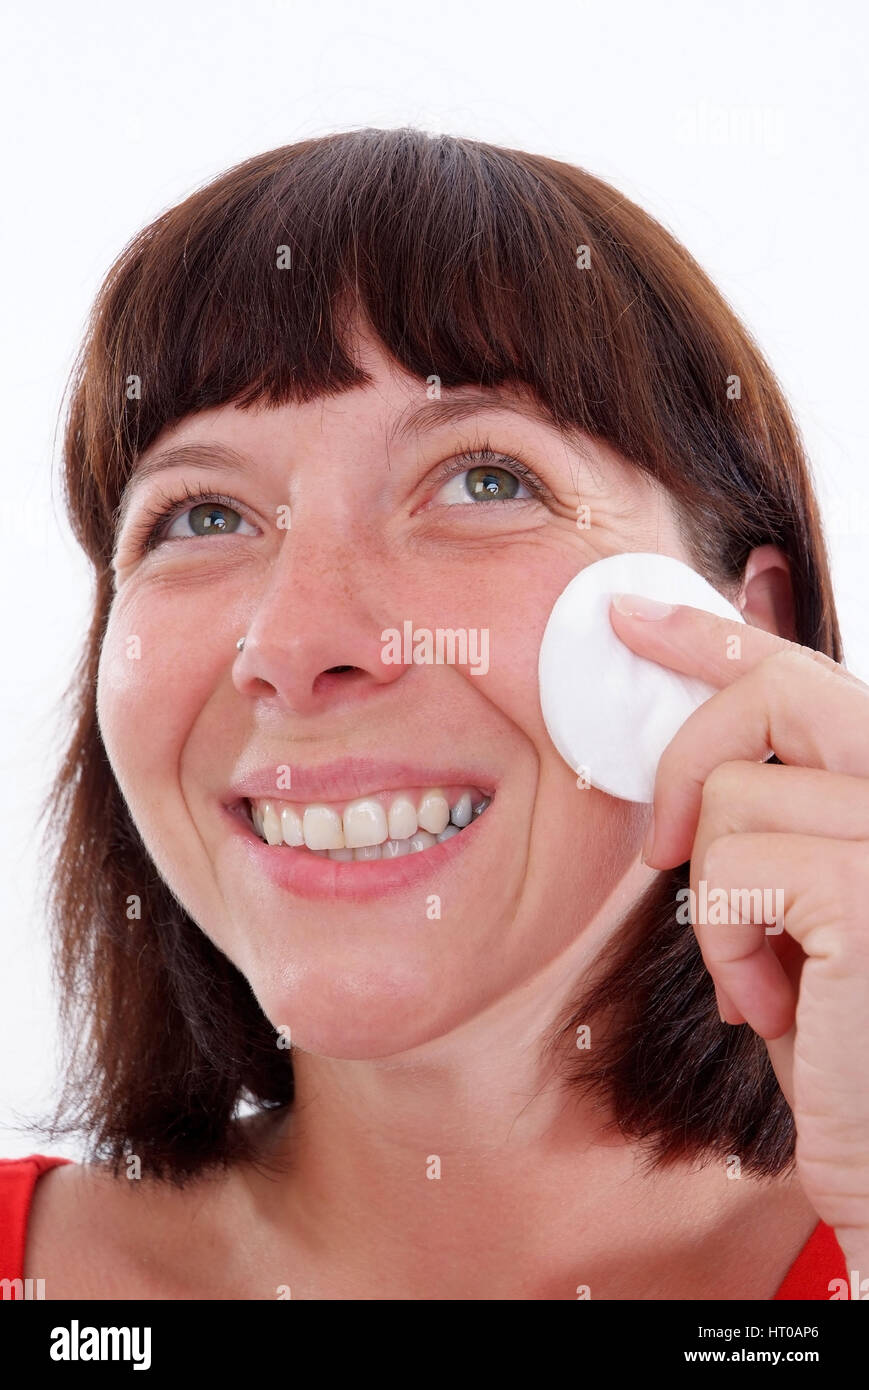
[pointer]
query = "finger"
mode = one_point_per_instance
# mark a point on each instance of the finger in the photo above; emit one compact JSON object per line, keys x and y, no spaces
{"x":781,"y":1054}
{"x":741,"y":796}
{"x":727,"y":1010}
{"x":804,"y":711}
{"x":813,"y":887}
{"x":703,"y":645}
{"x":746,"y":796}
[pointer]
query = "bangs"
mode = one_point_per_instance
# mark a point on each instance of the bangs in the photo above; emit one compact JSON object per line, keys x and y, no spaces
{"x":469,"y":263}
{"x":459,"y":257}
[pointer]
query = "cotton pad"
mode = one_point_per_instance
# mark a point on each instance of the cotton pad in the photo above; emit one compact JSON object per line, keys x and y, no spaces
{"x":609,"y":712}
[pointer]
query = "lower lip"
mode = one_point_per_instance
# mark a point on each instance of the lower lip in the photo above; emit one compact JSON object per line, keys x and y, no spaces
{"x":310,"y":876}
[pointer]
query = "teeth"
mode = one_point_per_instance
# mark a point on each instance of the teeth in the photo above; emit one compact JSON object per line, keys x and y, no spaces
{"x":291,"y":824}
{"x":402,"y":819}
{"x":423,"y":839}
{"x":322,"y":828}
{"x":272,"y":825}
{"x":433,"y":813}
{"x":364,"y":824}
{"x":394,"y":849}
{"x":368,"y":828}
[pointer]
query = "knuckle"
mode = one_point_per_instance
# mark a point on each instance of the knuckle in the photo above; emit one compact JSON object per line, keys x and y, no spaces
{"x":725,"y":784}
{"x":778,"y":670}
{"x":715,"y":858}
{"x":780,"y":666}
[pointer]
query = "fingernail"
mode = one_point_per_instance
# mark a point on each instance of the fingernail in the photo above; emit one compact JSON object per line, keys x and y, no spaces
{"x":720,"y":1010}
{"x":638,"y":606}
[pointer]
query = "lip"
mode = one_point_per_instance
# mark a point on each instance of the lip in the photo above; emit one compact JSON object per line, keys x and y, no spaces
{"x":308,"y":876}
{"x":349,"y":778}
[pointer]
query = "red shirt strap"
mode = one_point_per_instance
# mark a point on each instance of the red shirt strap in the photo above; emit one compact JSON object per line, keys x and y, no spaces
{"x":820,"y":1261}
{"x":18,"y":1177}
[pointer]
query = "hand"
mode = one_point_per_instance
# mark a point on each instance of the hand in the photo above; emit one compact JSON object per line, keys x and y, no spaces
{"x":801,"y":829}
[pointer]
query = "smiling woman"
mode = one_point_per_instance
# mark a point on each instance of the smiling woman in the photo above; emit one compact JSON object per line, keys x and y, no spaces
{"x":338,"y":935}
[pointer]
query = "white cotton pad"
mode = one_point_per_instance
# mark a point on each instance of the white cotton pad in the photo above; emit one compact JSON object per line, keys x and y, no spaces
{"x":609,"y":712}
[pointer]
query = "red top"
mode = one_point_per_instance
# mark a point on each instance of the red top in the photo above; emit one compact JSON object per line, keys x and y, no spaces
{"x":819,"y":1261}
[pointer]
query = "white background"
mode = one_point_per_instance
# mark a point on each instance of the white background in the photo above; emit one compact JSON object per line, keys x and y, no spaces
{"x":741,"y":126}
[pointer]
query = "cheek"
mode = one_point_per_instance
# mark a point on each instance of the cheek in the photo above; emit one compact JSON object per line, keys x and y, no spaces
{"x":152,"y":676}
{"x":590,"y":837}
{"x":502,"y":601}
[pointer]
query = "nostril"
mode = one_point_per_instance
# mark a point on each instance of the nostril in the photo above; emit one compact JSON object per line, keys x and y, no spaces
{"x":334,"y":670}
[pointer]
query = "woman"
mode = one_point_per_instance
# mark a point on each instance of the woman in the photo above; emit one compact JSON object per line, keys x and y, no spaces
{"x":369,"y":999}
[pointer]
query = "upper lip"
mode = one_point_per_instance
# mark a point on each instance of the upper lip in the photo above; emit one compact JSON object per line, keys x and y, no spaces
{"x":349,"y":778}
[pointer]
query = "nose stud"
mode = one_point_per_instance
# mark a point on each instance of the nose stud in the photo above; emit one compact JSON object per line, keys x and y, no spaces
{"x":240,"y":643}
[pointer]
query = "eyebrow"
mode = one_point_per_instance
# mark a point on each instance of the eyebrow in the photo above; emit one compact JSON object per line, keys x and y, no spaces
{"x":424,"y":418}
{"x":464,"y":401}
{"x":178,"y":455}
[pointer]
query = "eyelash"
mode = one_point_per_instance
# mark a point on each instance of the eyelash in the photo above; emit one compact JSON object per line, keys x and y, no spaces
{"x":485,"y":454}
{"x":156,"y":519}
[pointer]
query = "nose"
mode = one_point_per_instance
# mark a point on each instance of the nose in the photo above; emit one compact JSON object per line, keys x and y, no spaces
{"x":315,"y":634}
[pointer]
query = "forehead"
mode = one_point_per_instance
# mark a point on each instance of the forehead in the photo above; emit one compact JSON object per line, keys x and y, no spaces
{"x":393,"y":405}
{"x":403,"y":411}
{"x":394,"y":401}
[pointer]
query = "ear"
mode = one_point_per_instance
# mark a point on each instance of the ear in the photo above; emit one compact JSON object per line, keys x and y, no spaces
{"x":766,"y":597}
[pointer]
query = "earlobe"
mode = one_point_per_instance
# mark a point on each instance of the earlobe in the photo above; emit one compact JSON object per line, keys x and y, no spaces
{"x":766,"y":598}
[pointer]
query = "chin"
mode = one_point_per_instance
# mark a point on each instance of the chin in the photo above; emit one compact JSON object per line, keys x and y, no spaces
{"x":359,"y":1014}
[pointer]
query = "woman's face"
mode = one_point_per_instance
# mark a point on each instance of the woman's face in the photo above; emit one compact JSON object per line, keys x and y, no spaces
{"x":354,"y":519}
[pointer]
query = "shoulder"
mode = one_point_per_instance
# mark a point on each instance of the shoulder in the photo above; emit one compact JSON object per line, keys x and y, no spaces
{"x":92,"y":1233}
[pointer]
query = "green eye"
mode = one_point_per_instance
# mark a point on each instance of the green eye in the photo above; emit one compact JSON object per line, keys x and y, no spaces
{"x":483,"y":484}
{"x":212,"y":516}
{"x":205,"y":514}
{"x":491,"y":482}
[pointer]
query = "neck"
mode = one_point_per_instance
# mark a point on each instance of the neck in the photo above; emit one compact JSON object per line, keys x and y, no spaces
{"x":474,"y":1145}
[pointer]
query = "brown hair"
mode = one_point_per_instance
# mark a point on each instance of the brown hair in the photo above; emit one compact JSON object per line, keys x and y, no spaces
{"x":466,"y":261}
